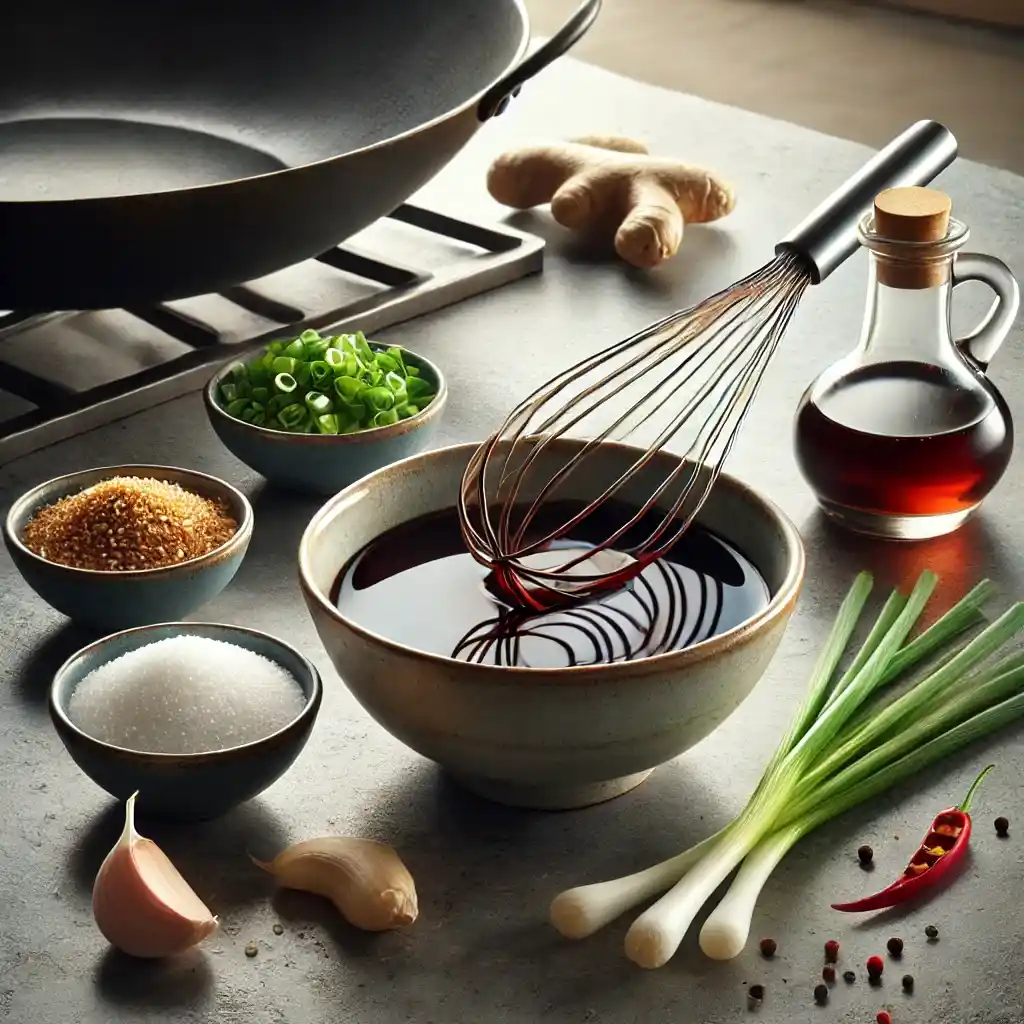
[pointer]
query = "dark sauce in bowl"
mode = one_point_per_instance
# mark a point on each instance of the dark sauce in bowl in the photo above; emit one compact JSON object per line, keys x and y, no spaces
{"x":417,"y":585}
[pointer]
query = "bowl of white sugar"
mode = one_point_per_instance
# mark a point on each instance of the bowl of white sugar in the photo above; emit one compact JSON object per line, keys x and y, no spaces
{"x":196,"y":717}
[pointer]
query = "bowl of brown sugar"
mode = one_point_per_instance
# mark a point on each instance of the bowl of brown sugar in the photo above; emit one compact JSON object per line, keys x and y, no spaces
{"x":125,"y":546}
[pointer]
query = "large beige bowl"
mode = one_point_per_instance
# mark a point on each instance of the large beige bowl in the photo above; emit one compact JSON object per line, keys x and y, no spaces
{"x":545,"y":738}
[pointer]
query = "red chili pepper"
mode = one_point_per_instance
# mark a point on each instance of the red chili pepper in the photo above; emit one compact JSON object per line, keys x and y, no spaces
{"x":943,"y":847}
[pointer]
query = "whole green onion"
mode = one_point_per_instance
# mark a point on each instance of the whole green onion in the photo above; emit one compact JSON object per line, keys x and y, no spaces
{"x":850,"y":741}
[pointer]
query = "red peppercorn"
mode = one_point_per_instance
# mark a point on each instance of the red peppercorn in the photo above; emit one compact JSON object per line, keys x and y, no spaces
{"x":831,"y":951}
{"x":884,"y":1017}
{"x":768,"y":948}
{"x":875,"y":967}
{"x":828,"y":973}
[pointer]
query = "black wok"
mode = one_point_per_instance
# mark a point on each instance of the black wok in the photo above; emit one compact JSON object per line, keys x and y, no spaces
{"x":152,"y":150}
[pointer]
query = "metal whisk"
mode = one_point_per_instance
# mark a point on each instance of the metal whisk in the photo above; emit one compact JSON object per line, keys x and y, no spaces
{"x":697,"y":371}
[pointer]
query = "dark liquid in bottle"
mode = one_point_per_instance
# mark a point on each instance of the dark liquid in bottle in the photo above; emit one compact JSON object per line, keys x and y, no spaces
{"x":417,"y":585}
{"x":903,"y":438}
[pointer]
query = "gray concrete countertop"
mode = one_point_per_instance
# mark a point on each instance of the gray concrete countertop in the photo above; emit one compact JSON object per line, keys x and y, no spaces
{"x":482,"y":951}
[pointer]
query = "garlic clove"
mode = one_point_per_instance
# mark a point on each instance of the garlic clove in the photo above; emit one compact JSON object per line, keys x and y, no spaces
{"x":365,"y":880}
{"x":140,"y":901}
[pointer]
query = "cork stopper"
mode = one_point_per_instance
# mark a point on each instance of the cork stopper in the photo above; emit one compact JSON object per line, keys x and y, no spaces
{"x":918,"y":215}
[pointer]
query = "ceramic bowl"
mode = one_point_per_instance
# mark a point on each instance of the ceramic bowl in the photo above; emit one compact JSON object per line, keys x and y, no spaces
{"x":546,"y":738}
{"x":185,"y":786}
{"x":121,"y":600}
{"x":325,"y":463}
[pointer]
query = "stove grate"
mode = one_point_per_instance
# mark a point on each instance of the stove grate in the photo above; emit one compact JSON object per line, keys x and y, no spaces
{"x":154,"y":354}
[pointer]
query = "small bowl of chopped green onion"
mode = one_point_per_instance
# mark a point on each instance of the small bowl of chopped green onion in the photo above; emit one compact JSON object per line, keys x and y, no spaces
{"x":317,"y":412}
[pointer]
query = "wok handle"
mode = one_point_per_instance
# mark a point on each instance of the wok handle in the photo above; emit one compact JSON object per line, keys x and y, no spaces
{"x":497,"y":98}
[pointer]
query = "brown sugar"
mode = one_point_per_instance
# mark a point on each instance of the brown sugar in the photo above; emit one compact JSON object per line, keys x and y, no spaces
{"x":129,"y":523}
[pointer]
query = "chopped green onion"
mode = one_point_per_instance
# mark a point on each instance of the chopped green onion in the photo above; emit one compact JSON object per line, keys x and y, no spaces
{"x":323,"y":384}
{"x":385,"y":418}
{"x":285,"y":383}
{"x":418,"y":389}
{"x":348,"y":388}
{"x":293,"y":417}
{"x":378,"y":399}
{"x":320,"y":374}
{"x":319,"y":405}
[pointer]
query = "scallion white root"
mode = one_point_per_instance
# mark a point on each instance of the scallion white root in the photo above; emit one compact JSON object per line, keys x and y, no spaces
{"x":726,"y":931}
{"x":580,"y":912}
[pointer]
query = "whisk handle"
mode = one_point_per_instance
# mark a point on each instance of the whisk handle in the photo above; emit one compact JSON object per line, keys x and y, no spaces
{"x":828,"y":236}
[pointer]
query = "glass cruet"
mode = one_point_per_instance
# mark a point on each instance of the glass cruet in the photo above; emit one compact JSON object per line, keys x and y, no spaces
{"x":905,"y":436}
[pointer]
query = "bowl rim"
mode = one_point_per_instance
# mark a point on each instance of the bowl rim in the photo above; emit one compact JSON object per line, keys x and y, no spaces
{"x":779,"y":603}
{"x":28,"y":500}
{"x":367,"y":436}
{"x":310,"y":708}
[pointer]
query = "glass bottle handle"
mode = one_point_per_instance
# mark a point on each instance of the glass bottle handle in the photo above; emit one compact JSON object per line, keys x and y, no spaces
{"x":983,"y":342}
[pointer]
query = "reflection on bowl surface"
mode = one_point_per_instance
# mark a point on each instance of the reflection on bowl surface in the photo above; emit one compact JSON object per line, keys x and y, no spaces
{"x":195,"y":785}
{"x":563,"y":736}
{"x":111,"y":600}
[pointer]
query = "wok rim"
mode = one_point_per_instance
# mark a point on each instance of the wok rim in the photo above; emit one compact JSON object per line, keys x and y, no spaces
{"x":521,"y":49}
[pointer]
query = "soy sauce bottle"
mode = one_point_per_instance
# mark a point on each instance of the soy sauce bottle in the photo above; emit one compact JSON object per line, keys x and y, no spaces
{"x":904,"y":437}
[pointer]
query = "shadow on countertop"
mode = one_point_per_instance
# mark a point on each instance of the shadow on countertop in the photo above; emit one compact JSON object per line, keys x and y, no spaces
{"x":30,"y":680}
{"x":213,"y":856}
{"x":704,"y":247}
{"x":127,"y":983}
{"x":960,"y":559}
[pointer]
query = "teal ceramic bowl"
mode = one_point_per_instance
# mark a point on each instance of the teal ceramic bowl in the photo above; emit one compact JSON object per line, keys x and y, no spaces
{"x":324,"y":463}
{"x":121,"y":600}
{"x":185,"y":787}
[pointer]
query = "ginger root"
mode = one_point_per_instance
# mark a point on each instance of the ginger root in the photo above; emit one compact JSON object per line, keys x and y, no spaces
{"x":607,"y":185}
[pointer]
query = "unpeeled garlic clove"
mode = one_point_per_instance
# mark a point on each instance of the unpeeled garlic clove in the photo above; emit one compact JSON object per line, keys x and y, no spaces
{"x":141,"y":903}
{"x":364,"y":879}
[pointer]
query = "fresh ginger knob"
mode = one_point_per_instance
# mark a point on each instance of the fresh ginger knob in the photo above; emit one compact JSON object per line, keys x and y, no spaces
{"x":609,"y":186}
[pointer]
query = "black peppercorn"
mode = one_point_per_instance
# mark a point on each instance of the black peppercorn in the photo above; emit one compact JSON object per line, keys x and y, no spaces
{"x":895,"y":947}
{"x":756,"y":992}
{"x":865,"y":855}
{"x":821,"y":994}
{"x":908,"y":983}
{"x":849,"y":977}
{"x":768,"y":948}
{"x":1002,"y":827}
{"x":932,"y":932}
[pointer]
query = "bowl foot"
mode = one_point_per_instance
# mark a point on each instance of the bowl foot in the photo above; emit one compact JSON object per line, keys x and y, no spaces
{"x":549,"y":797}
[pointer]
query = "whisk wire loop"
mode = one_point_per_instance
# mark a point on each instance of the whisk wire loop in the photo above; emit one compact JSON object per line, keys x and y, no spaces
{"x":697,"y":370}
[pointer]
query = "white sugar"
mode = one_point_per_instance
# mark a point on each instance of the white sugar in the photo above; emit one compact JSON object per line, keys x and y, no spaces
{"x":185,"y":695}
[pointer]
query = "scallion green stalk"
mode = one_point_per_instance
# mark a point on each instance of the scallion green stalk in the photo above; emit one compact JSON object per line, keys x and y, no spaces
{"x":726,"y":929}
